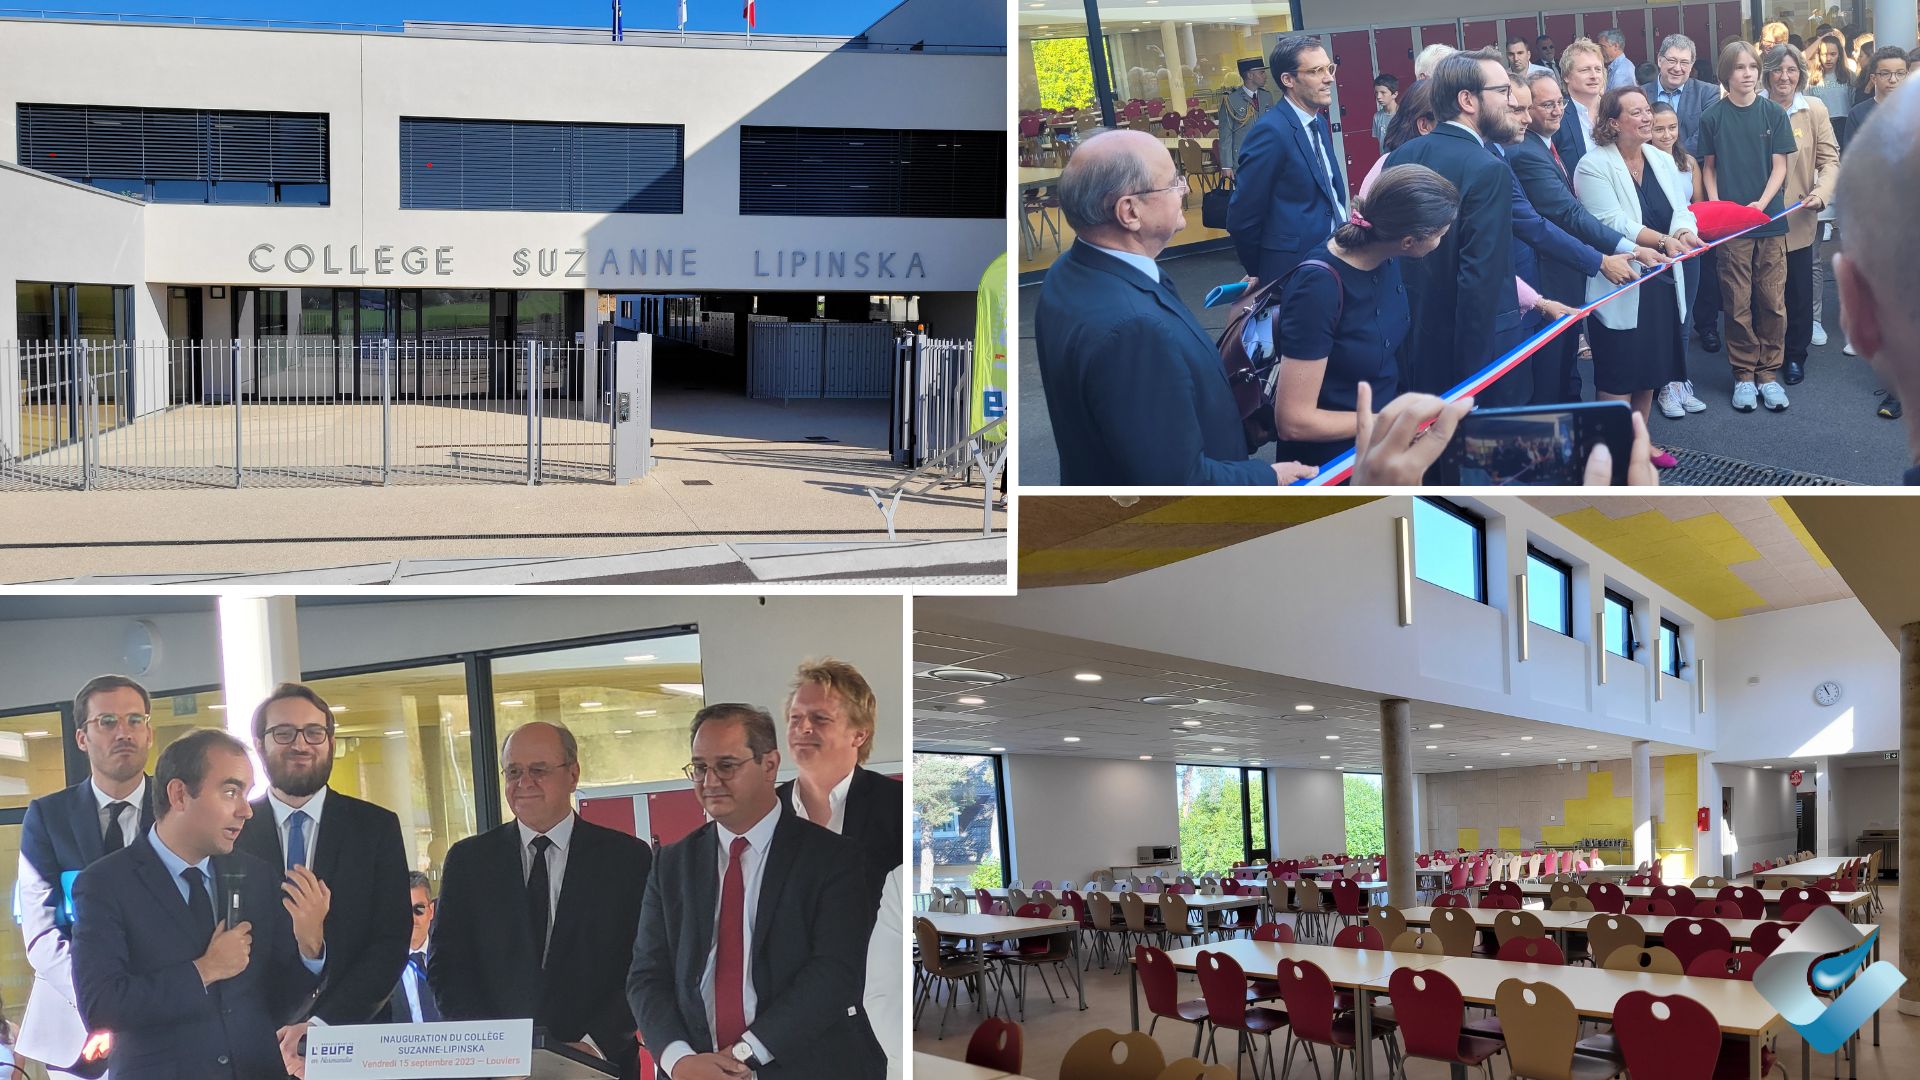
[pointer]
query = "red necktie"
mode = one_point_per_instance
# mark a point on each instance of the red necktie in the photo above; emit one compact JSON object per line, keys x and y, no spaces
{"x":729,"y":961}
{"x":1556,"y":158}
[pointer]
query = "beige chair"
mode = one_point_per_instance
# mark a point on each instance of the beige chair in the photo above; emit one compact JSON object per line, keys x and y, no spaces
{"x":1195,"y":1069}
{"x":1418,"y":941}
{"x":1454,"y":927}
{"x":1388,"y":920}
{"x":1570,"y":903}
{"x":1139,"y":929}
{"x":1278,"y":899}
{"x":937,"y":970}
{"x":1107,"y":924}
{"x":1709,"y":882}
{"x":1017,"y":898}
{"x":1656,"y":961}
{"x":1101,"y":1054}
{"x":1312,"y":921}
{"x":1508,"y":925}
{"x":1562,"y":888}
{"x":1177,"y":922}
{"x":1606,"y":933}
{"x":1541,"y":1028}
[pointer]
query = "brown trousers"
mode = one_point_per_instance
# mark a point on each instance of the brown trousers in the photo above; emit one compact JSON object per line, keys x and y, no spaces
{"x":1753,"y":287}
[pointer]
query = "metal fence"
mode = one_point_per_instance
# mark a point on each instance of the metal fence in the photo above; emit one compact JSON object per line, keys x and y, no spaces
{"x":308,"y":411}
{"x":932,"y":396}
{"x":819,"y":360}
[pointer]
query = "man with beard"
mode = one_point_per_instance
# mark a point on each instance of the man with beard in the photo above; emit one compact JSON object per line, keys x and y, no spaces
{"x":64,"y":832}
{"x":353,"y":846}
{"x":830,"y":720}
{"x":1462,"y":295}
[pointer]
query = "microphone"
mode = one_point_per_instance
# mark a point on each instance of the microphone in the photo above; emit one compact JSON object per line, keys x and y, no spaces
{"x":230,"y":883}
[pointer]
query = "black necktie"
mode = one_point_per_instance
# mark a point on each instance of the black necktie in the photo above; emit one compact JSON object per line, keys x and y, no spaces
{"x":116,"y":839}
{"x":538,"y":899}
{"x":199,"y":903}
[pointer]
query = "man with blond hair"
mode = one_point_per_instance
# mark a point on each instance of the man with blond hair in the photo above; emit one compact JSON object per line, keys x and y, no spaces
{"x":831,"y":712}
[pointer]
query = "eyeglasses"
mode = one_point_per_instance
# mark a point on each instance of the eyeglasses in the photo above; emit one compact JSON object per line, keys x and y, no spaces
{"x":315,"y":734}
{"x":725,"y":768}
{"x":419,"y":909}
{"x":1556,"y":105}
{"x":1890,"y":76}
{"x":1503,"y":88}
{"x":513,"y":774}
{"x":1179,"y":184}
{"x":109,"y":722}
{"x":1316,"y":72}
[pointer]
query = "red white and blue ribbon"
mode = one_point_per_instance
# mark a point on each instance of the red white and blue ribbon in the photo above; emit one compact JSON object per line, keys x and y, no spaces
{"x":1340,"y":469}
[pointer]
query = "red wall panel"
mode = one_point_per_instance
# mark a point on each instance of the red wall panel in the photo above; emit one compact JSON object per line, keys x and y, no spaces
{"x":1353,"y":97}
{"x":1523,"y":29}
{"x":1729,"y":21}
{"x":1443,"y":33}
{"x":1592,"y":22}
{"x":1633,"y":24}
{"x":1480,"y":34}
{"x":1560,"y":29}
{"x":1665,"y":20}
{"x":674,"y":814}
{"x":614,"y":812}
{"x":1393,"y":53}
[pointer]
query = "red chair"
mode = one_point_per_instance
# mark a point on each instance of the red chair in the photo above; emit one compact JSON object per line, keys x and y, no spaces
{"x":1160,"y":985}
{"x":1718,"y":909}
{"x":1428,"y":1007}
{"x":1348,"y":901}
{"x":1479,"y":873}
{"x":1799,"y":912}
{"x":1313,"y":1018}
{"x":996,"y":1045}
{"x":1504,"y":888}
{"x":1422,"y":861}
{"x":1768,"y":936}
{"x":1679,"y":896}
{"x":1224,"y":984}
{"x":1640,"y":880}
{"x":1274,"y":931}
{"x":1457,"y":877}
{"x":1688,"y":938}
{"x":1607,"y":897}
{"x":1359,"y":937}
{"x":984,"y":898}
{"x":1531,"y":950}
{"x":1752,"y":904}
{"x":1647,"y":905}
{"x":1493,"y":901}
{"x":1721,"y":964}
{"x":1790,"y":897}
{"x":1452,"y":899}
{"x":1666,"y":1036}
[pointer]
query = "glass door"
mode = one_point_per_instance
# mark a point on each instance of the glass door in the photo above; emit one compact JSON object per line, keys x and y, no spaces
{"x":185,"y":343}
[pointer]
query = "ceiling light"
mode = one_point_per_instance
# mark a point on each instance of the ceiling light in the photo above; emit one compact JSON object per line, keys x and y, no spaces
{"x":692,"y":688}
{"x":218,"y":708}
{"x":646,"y":712}
{"x":1593,"y":746}
{"x":37,"y":734}
{"x":1169,"y":699}
{"x":1506,"y":753}
{"x":1189,"y":723}
{"x":1303,"y":708}
{"x":966,"y":675}
{"x":1469,"y":766}
{"x":590,"y":704}
{"x":1526,"y":738}
{"x":1255,"y":761}
{"x":1219,"y":749}
{"x":1086,"y":676}
{"x":1342,"y":768}
{"x":1560,"y":759}
{"x":1431,"y":746}
{"x":1766,"y":766}
{"x":513,"y":701}
{"x":623,"y":731}
{"x":1326,"y":757}
{"x":1435,"y":727}
{"x":1146,"y":757}
{"x":1071,"y":738}
{"x":339,"y":708}
{"x":997,"y":749}
{"x":396,"y":731}
{"x":642,"y":658}
{"x":1333,"y":738}
{"x":972,"y":701}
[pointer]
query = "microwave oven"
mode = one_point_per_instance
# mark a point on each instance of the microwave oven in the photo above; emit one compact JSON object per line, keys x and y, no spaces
{"x":1147,"y":853}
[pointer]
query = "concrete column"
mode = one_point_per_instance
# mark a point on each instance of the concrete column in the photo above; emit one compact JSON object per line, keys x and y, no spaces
{"x":1894,"y":22}
{"x":1176,"y":79}
{"x":1396,"y":798}
{"x":1642,"y":802}
{"x":1826,"y":813}
{"x":259,"y":650}
{"x":1909,"y":1000}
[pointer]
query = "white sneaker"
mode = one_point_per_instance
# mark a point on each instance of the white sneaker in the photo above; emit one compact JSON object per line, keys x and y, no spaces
{"x":1688,"y":401}
{"x":1847,"y":349}
{"x":1819,"y":334}
{"x":1744,"y":396}
{"x":1669,"y":400}
{"x":1773,"y":396}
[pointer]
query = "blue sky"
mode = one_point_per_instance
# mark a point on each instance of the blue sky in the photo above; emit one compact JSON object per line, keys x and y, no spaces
{"x":833,"y":17}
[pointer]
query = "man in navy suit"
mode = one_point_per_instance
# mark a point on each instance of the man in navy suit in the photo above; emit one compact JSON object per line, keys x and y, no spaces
{"x":65,"y":833}
{"x":1690,"y":97}
{"x":1462,"y":295}
{"x":1134,"y":386}
{"x":183,"y":989}
{"x":1289,"y":193}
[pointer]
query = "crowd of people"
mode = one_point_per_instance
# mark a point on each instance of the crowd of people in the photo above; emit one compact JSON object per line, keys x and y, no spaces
{"x":176,"y":928}
{"x":1514,"y":188}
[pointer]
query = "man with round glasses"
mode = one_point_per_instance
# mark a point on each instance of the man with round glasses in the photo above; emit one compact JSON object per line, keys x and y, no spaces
{"x":352,"y":845}
{"x":64,"y":833}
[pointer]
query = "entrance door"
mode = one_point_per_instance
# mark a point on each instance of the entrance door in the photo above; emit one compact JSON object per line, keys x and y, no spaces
{"x":185,"y":336}
{"x":1804,"y":822}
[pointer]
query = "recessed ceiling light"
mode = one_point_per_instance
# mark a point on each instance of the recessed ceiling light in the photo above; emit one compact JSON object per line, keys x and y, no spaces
{"x":997,"y":749}
{"x":1255,"y":761}
{"x":966,"y":675}
{"x":1087,"y":676}
{"x":646,"y":712}
{"x":1189,"y":723}
{"x":1219,"y":749}
{"x":1526,"y":738}
{"x":396,"y":731}
{"x":591,"y":704}
{"x":1326,"y":757}
{"x":218,"y":708}
{"x":1303,"y":708}
{"x":339,"y":708}
{"x":623,"y":731}
{"x":1071,"y":738}
{"x":641,"y":659}
{"x":1169,"y":699}
{"x":1435,"y":727}
{"x":972,"y":701}
{"x":1431,"y":746}
{"x":1342,"y":768}
{"x":1469,"y":766}
{"x":513,"y":701}
{"x":1506,"y":753}
{"x":1766,"y":766}
{"x":44,"y":734}
{"x":1593,"y":746}
{"x":1146,"y":757}
{"x":1560,"y":759}
{"x":1333,"y":738}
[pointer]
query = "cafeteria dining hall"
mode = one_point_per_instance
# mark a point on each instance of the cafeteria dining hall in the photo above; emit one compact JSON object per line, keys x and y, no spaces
{"x":1567,"y":788}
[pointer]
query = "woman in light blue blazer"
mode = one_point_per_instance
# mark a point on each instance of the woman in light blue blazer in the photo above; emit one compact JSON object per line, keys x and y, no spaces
{"x":1639,"y":343}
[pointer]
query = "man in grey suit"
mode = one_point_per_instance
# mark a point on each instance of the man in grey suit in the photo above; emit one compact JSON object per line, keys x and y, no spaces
{"x":1690,"y":97}
{"x":1241,"y":106}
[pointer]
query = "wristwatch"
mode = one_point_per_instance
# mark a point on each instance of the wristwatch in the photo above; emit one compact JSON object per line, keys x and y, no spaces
{"x":743,"y":1054}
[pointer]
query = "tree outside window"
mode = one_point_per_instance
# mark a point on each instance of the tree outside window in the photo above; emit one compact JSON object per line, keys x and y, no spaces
{"x":1366,"y":828}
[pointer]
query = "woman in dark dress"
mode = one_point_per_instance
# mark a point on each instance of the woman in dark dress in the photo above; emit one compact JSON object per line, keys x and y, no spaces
{"x":1342,"y":323}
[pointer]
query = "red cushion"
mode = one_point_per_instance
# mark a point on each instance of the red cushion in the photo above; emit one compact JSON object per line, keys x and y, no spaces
{"x":1723,"y":219}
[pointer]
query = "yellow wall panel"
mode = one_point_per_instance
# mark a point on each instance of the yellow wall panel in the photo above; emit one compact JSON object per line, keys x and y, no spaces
{"x":1470,"y":839}
{"x":1509,"y":839}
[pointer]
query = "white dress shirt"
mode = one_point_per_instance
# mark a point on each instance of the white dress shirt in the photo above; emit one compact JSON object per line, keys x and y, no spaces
{"x":1469,"y":129}
{"x":836,"y":803}
{"x":281,"y":812}
{"x":562,"y":837}
{"x":129,"y":818}
{"x":886,"y":957}
{"x":175,"y":864}
{"x":752,"y":867}
{"x":1131,"y":258}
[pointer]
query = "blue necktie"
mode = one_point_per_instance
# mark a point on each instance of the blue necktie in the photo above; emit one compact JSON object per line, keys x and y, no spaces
{"x":1326,"y":167}
{"x":296,"y":839}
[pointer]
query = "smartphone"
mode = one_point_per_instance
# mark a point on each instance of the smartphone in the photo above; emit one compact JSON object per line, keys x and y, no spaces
{"x":1535,"y":444}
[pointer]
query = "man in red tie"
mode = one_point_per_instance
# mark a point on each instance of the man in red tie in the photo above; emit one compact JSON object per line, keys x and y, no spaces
{"x":753,"y":933}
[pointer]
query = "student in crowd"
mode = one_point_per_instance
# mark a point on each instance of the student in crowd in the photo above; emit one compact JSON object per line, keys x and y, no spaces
{"x":1676,"y":399}
{"x":1639,"y":345}
{"x":1745,"y":140}
{"x":1879,"y":292}
{"x":1134,"y":384}
{"x":1827,"y":80}
{"x":1386,"y":101}
{"x":1620,"y":69}
{"x":1343,"y":315}
{"x":1860,"y":67}
{"x":1812,"y":170}
{"x":1676,"y":87}
{"x":1773,"y":33}
{"x":1885,"y":70}
{"x":1584,"y":71}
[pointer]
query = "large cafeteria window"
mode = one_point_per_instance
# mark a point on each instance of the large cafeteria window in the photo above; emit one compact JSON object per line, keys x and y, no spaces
{"x":1549,"y":592}
{"x":1365,"y":817}
{"x":1223,"y":817}
{"x":1450,"y":547}
{"x":1670,"y":648}
{"x":960,"y":823}
{"x":1617,"y":621}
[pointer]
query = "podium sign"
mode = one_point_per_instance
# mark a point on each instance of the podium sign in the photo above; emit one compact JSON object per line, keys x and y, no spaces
{"x":464,"y":1049}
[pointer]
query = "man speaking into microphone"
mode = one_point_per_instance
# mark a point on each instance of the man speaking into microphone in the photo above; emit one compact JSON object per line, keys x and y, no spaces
{"x":163,"y":948}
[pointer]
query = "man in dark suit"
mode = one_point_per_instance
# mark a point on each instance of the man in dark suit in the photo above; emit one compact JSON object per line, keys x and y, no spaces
{"x":412,"y":1001}
{"x":830,"y":721}
{"x":537,"y":917}
{"x":65,"y":833}
{"x":1462,"y":295}
{"x":1134,"y":386}
{"x":1289,"y":193}
{"x":353,"y":846}
{"x":184,"y":993}
{"x":1690,"y":97}
{"x":753,"y":937}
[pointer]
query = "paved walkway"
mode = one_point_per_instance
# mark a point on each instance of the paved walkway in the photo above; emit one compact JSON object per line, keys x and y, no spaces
{"x":1829,"y":431}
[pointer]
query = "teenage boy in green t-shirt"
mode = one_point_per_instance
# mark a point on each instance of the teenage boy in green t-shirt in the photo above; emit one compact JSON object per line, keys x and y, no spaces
{"x":1745,"y":139}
